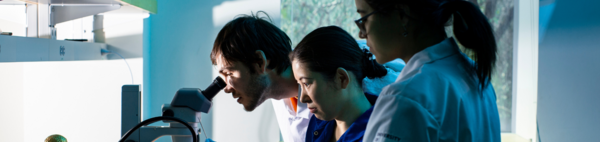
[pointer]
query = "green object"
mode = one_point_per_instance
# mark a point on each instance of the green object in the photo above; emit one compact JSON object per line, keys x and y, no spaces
{"x":56,"y":138}
{"x":149,"y":5}
{"x":300,"y":17}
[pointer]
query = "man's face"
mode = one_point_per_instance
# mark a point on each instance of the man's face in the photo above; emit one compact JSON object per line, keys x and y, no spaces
{"x":246,"y":87}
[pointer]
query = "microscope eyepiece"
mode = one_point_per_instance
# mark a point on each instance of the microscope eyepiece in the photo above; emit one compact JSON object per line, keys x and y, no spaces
{"x":214,"y":88}
{"x":196,"y":99}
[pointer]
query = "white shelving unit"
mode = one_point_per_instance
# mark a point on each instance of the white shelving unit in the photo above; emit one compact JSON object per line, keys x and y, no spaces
{"x":26,"y":49}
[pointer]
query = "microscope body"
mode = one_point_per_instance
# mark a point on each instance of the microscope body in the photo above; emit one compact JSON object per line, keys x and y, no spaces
{"x":187,"y":105}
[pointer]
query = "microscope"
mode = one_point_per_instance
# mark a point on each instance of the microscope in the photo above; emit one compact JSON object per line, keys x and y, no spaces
{"x":182,"y":114}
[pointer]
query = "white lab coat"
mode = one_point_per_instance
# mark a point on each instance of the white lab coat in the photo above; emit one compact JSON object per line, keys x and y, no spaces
{"x":435,"y":99}
{"x":293,"y":125}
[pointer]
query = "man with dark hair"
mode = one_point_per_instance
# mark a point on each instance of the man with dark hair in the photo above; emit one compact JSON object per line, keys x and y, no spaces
{"x":252,"y":56}
{"x":252,"y":52}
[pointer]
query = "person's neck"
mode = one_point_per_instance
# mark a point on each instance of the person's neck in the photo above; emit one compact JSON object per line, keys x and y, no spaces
{"x":285,"y":84}
{"x":421,"y":41}
{"x":357,"y":105}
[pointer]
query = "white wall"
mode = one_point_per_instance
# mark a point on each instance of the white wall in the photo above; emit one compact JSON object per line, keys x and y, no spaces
{"x":177,"y":42}
{"x":11,"y":102}
{"x":569,"y":73}
{"x":124,"y":31}
{"x":80,"y":100}
{"x":12,"y":19}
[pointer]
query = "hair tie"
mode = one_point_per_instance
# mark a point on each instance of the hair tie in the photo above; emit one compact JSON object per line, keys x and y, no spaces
{"x":367,"y":54}
{"x":368,"y":64}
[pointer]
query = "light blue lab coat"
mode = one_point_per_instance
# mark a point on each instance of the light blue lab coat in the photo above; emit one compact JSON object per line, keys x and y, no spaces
{"x":436,"y":98}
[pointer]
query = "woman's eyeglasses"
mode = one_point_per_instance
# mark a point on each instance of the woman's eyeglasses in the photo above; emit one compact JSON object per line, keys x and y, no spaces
{"x":361,"y":23}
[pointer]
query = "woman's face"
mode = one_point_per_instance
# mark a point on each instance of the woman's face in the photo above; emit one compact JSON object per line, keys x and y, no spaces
{"x":319,"y":93}
{"x":381,"y":32}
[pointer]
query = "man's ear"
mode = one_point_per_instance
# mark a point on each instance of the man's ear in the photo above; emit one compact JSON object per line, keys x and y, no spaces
{"x":342,"y":78}
{"x":261,"y":65}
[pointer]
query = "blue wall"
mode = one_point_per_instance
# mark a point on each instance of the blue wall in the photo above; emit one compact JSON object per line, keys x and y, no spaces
{"x":569,"y":73}
{"x":177,"y":43}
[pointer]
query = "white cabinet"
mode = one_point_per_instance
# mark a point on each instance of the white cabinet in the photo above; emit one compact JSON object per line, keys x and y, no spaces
{"x":26,"y":49}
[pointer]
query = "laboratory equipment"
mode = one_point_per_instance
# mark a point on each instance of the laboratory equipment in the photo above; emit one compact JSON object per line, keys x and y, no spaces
{"x":182,"y":114}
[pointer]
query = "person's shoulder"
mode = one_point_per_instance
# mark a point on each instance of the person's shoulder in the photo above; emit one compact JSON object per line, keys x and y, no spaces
{"x":420,"y":87}
{"x":455,"y":66}
{"x":454,"y":72}
{"x":375,"y":85}
{"x":396,"y":65}
{"x":425,"y":78}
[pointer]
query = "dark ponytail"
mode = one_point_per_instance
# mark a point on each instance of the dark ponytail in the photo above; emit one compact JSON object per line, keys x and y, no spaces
{"x":472,"y":29}
{"x":470,"y":26}
{"x":327,"y":48}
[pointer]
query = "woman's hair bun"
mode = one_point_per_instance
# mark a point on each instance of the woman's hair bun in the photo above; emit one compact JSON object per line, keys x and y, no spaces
{"x":371,"y":68}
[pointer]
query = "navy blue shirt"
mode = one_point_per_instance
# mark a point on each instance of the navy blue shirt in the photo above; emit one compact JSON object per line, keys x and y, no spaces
{"x":322,"y":131}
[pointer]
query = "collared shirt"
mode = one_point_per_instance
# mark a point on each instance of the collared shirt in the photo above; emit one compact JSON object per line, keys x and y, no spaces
{"x":323,"y":131}
{"x":436,"y":98}
{"x":292,"y":124}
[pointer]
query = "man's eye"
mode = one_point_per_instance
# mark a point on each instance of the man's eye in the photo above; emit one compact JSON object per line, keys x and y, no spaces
{"x":305,"y":84}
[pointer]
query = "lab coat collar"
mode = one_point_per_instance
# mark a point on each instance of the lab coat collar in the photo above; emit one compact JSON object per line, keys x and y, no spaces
{"x":430,"y":54}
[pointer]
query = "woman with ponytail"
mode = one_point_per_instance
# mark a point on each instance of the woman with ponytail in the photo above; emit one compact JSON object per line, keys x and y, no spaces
{"x":441,"y":94}
{"x":330,"y":67}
